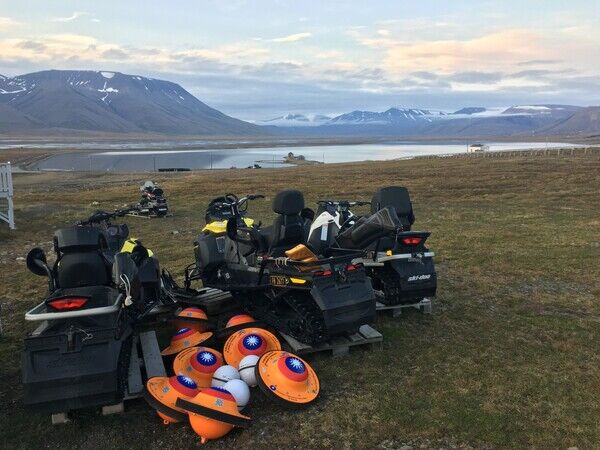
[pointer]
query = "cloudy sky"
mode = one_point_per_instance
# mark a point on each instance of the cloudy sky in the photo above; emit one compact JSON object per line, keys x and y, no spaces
{"x":257,"y":59}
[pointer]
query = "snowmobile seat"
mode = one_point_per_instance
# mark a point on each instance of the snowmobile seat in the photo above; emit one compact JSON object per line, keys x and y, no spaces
{"x":288,"y":229}
{"x":82,"y":268}
{"x":399,"y":198}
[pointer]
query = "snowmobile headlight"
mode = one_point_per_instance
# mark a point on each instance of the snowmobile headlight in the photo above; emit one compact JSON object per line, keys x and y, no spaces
{"x":298,"y":280}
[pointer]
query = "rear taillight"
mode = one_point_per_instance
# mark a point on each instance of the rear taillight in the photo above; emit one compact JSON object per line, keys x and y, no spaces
{"x":415,"y":240}
{"x":352,"y":267}
{"x":322,"y":273}
{"x":67,"y":303}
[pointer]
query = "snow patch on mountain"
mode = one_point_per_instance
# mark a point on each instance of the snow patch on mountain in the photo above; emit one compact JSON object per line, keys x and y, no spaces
{"x":295,"y":119}
{"x":108,"y":75}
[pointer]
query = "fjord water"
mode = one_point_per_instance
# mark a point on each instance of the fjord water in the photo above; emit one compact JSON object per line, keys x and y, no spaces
{"x":149,"y":159}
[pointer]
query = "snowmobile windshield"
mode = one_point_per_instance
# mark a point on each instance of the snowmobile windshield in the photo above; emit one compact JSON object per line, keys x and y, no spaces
{"x":368,"y":229}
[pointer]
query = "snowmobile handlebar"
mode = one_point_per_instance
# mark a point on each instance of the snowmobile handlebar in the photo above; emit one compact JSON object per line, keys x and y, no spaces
{"x":103,"y":216}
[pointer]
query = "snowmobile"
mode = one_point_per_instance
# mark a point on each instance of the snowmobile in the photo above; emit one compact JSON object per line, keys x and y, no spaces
{"x":153,"y":202}
{"x":276,"y":279}
{"x":102,"y":284}
{"x":401,"y":267}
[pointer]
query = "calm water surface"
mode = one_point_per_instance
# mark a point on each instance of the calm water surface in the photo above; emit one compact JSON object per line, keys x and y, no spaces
{"x":148,"y":159}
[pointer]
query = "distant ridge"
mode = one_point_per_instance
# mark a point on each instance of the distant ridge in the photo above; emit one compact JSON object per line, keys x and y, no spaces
{"x":112,"y":102}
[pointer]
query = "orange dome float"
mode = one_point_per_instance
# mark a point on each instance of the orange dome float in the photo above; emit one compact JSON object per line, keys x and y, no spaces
{"x":192,"y":317}
{"x":235,"y":323}
{"x":213,"y":413}
{"x":287,"y":378}
{"x":249,"y":341}
{"x":185,"y":338}
{"x":162,"y":392}
{"x":198,"y":363}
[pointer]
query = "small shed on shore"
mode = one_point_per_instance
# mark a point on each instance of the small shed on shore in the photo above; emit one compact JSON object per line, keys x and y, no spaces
{"x":476,"y":148}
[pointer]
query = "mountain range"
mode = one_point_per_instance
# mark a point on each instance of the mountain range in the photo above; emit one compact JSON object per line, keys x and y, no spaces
{"x":90,"y":102}
{"x":108,"y":102}
{"x":468,"y":121}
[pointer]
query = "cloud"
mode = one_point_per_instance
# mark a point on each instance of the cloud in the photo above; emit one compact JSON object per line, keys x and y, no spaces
{"x":114,"y":53}
{"x":488,"y":52}
{"x":7,"y":23}
{"x":538,"y":62}
{"x":32,"y":45}
{"x":76,"y":15}
{"x":292,"y":37}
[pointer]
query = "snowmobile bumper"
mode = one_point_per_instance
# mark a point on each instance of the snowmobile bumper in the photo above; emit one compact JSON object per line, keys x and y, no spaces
{"x":404,"y":277}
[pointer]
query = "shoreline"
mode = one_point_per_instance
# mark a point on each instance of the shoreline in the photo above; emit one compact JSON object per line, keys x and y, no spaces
{"x":26,"y":167}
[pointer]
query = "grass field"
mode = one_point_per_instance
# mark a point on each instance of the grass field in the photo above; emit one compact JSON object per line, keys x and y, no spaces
{"x":509,"y":359}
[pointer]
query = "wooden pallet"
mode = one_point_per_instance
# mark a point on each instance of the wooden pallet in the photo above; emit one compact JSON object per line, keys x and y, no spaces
{"x":145,"y":362}
{"x":425,"y":306}
{"x":367,"y":336}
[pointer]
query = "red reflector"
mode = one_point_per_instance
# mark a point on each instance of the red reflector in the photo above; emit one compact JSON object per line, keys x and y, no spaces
{"x":68,"y":303}
{"x":411,"y":240}
{"x":322,"y":273}
{"x":351,"y":267}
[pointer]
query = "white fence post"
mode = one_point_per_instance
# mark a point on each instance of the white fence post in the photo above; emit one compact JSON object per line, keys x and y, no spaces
{"x":6,"y":191}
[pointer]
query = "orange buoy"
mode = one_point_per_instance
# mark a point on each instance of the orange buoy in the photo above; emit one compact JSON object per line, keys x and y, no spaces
{"x":162,"y":392}
{"x":213,"y":413}
{"x":287,"y":378}
{"x":198,"y":363}
{"x":235,"y":323}
{"x":184,"y":338}
{"x":249,"y":341}
{"x":192,"y":317}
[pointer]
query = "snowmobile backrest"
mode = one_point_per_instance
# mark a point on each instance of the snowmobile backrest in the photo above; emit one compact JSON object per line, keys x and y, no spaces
{"x":399,"y":198}
{"x":288,"y":203}
{"x":367,"y":230}
{"x":289,"y":227}
{"x":78,"y":238}
{"x":80,"y":261}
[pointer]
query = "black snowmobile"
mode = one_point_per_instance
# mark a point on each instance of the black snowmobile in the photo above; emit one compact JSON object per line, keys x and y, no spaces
{"x":275,"y":277}
{"x":153,"y":202}
{"x":397,"y":261}
{"x":100,"y":286}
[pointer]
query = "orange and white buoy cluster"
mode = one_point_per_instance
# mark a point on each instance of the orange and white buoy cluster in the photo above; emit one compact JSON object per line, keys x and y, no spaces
{"x":210,"y":389}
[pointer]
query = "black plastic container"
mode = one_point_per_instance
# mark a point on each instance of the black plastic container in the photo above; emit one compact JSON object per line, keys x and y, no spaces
{"x":76,"y":367}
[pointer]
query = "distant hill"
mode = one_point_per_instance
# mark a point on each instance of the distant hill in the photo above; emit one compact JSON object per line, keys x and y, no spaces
{"x":109,"y":102}
{"x":470,"y":110}
{"x":294,"y":119}
{"x":391,"y":116}
{"x":585,"y":121}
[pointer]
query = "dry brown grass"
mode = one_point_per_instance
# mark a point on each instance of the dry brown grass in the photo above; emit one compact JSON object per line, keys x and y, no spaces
{"x":509,"y":358}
